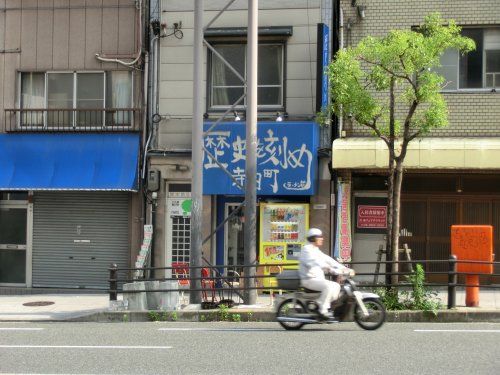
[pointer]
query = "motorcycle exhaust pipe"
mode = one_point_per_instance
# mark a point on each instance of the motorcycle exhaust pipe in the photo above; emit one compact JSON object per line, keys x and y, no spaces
{"x":295,"y":320}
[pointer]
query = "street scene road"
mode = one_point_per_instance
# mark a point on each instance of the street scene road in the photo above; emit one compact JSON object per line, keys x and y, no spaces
{"x":247,"y":348}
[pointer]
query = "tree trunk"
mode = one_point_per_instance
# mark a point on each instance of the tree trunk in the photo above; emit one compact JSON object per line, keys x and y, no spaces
{"x":390,"y":182}
{"x":396,"y":204}
{"x":390,"y":216}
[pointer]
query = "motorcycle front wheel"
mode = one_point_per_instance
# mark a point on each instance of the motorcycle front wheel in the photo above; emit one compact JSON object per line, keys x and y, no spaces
{"x":289,"y":309}
{"x":376,"y":314}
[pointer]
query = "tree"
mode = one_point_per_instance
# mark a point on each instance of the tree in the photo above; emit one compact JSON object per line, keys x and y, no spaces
{"x":388,"y":85}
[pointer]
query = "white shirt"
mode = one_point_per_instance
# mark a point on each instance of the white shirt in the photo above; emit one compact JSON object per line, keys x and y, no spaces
{"x":313,"y":262}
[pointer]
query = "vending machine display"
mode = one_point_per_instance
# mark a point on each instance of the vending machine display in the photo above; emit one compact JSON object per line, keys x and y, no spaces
{"x":283,"y":230}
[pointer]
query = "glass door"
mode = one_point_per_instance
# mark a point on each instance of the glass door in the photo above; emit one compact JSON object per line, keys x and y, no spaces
{"x":13,"y":243}
{"x":234,"y":249}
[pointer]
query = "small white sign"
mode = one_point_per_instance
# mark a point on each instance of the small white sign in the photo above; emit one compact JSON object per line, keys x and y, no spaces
{"x":319,"y":206}
{"x":179,"y":207}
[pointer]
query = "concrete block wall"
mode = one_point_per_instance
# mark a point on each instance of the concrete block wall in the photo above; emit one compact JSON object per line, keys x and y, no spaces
{"x":471,"y":114}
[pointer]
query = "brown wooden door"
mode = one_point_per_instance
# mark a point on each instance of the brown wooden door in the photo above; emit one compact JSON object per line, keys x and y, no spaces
{"x":426,"y":224}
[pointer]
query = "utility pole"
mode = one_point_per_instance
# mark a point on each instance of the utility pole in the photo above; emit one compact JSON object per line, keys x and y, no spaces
{"x":251,"y":154}
{"x":197,"y":154}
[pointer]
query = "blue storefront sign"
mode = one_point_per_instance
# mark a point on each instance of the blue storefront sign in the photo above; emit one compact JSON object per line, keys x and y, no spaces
{"x":286,"y":158}
{"x":325,"y":59}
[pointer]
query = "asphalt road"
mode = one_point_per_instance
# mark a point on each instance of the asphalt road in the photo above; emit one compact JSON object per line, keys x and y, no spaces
{"x":248,"y":348}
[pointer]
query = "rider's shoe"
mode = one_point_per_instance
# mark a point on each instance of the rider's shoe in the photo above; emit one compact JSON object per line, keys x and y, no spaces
{"x":326,"y":316}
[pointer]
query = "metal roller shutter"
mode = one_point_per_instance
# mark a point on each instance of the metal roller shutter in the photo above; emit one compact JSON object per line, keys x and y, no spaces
{"x":77,"y":235}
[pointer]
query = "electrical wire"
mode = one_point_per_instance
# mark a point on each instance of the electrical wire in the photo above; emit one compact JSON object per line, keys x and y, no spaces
{"x":139,"y":52}
{"x":177,"y":33}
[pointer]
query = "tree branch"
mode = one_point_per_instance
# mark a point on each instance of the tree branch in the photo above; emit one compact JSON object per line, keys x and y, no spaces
{"x":376,"y":130}
{"x":394,"y":74}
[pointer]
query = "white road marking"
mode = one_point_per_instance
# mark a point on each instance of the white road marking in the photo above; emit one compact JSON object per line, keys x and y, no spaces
{"x":459,"y":330}
{"x":21,"y":329}
{"x":82,"y":347}
{"x":221,"y":329}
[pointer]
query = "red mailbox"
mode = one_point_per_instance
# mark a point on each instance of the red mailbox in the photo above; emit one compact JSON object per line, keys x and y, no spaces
{"x":472,"y":242}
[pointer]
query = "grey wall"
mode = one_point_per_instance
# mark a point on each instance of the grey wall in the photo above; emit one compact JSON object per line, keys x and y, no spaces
{"x":176,"y":87}
{"x":61,"y":35}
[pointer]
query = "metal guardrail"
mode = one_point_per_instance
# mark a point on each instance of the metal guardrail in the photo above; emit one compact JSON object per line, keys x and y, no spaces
{"x":72,"y":120}
{"x":219,"y":280}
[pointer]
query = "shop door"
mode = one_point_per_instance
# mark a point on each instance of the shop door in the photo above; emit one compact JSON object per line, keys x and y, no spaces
{"x":234,"y":252}
{"x":368,"y":236}
{"x":77,"y":235}
{"x":13,"y":243}
{"x":426,"y":223}
{"x":178,"y":224}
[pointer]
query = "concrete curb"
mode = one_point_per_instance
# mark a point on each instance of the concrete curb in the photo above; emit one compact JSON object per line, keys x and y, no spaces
{"x":244,"y":315}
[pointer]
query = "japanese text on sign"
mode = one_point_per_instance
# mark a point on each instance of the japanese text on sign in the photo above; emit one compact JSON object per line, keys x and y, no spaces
{"x":372,"y":217}
{"x":286,"y":158}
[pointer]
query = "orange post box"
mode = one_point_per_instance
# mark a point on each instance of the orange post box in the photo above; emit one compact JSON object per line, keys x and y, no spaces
{"x":475,"y":243}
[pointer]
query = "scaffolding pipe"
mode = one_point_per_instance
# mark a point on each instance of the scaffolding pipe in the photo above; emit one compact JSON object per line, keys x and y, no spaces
{"x":250,"y":255}
{"x":197,"y":154}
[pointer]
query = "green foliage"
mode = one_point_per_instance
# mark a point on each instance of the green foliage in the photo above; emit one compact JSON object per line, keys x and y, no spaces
{"x":173,"y":316}
{"x":223,"y":312}
{"x":236,"y":317}
{"x":419,"y":297}
{"x":390,"y":298}
{"x":249,"y":317}
{"x":125,"y":318}
{"x":361,"y":77}
{"x":166,"y":316}
{"x":154,"y":316}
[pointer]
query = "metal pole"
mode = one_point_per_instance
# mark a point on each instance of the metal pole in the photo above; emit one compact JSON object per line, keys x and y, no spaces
{"x":197,"y":154}
{"x":452,"y":282}
{"x":251,"y":154}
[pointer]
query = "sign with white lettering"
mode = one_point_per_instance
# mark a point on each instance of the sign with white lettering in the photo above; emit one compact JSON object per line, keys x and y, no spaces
{"x":371,"y":216}
{"x":286,"y":158}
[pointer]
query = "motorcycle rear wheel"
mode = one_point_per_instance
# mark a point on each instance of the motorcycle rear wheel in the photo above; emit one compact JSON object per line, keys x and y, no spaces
{"x":376,"y":316}
{"x":290,"y":308}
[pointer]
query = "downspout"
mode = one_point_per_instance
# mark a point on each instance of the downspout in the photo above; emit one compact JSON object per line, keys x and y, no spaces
{"x":341,"y":47}
{"x":338,"y":26}
{"x":153,"y":104}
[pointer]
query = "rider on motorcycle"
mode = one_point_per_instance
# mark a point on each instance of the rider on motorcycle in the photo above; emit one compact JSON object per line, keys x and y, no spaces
{"x":312,"y":267}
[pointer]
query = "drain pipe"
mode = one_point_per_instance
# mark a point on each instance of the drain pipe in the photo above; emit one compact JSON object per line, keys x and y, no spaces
{"x":341,"y":47}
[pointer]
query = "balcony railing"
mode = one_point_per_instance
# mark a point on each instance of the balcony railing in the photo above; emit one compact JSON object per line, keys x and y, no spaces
{"x":72,"y":120}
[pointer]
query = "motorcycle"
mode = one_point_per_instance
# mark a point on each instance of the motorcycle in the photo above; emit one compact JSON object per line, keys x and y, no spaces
{"x":300,"y":308}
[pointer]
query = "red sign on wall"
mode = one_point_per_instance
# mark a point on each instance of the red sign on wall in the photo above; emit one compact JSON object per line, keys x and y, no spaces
{"x":372,"y":216}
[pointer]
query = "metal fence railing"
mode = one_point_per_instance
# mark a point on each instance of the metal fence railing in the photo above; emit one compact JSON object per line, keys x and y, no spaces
{"x":224,"y":282}
{"x":72,"y":119}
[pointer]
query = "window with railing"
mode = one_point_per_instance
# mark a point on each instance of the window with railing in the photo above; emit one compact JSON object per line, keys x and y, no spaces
{"x":478,"y":69}
{"x":73,"y":100}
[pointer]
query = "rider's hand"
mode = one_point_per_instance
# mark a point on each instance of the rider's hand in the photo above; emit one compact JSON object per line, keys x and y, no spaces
{"x":352,"y":272}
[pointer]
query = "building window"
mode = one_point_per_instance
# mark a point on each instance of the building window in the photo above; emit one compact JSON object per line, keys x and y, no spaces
{"x":225,"y":88}
{"x":479,"y":69}
{"x":73,"y":99}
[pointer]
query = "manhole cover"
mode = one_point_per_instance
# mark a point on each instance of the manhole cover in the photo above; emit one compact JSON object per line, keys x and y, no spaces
{"x":38,"y":303}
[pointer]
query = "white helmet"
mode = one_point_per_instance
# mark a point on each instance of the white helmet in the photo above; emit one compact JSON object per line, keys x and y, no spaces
{"x":314,"y":232}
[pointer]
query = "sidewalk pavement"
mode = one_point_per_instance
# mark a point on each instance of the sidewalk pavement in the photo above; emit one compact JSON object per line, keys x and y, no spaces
{"x":95,"y":307}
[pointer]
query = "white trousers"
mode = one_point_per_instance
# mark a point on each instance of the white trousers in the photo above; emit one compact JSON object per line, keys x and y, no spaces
{"x":329,"y":292}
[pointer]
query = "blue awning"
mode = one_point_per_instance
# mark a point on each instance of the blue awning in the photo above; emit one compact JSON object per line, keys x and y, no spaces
{"x":69,"y":162}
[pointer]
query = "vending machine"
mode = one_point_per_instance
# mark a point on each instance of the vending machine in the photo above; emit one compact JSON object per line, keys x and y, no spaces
{"x":283,"y":228}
